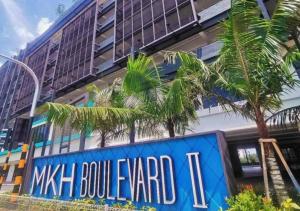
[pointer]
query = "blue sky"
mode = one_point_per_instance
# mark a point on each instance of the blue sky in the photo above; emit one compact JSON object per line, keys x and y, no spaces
{"x":21,"y":21}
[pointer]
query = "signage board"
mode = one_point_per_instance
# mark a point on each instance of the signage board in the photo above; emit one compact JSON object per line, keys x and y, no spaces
{"x":184,"y":173}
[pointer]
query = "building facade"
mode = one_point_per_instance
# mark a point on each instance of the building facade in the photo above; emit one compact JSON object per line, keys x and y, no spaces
{"x":90,"y":44}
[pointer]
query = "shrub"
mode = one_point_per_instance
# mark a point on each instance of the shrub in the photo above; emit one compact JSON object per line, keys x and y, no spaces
{"x":289,"y":205}
{"x":127,"y":206}
{"x":248,"y":200}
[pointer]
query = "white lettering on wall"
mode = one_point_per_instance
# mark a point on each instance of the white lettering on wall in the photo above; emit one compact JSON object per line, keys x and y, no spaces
{"x":64,"y":179}
{"x":153,"y":178}
{"x":149,"y":179}
{"x":101,"y":180}
{"x":132,"y":177}
{"x":84,"y":179}
{"x":92,"y":179}
{"x":109,"y":196}
{"x":141,"y":181}
{"x":195,"y":156}
{"x":50,"y":180}
{"x":38,"y":178}
{"x":119,"y":180}
{"x":162,"y":166}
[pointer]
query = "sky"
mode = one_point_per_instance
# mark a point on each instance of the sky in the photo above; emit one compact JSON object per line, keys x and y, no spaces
{"x":21,"y":21}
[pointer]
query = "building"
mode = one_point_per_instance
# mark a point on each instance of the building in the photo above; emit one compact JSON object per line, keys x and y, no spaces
{"x":90,"y":44}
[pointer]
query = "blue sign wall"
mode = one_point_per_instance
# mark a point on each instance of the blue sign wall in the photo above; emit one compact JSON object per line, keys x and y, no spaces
{"x":186,"y":173}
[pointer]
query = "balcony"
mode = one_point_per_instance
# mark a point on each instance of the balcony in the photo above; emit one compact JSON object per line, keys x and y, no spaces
{"x":105,"y":45}
{"x":105,"y":66}
{"x":209,"y":51}
{"x":214,"y":10}
{"x":47,"y":80}
{"x":105,"y":7}
{"x":106,"y":25}
{"x":205,"y":53}
{"x":54,"y":48}
{"x":51,"y":63}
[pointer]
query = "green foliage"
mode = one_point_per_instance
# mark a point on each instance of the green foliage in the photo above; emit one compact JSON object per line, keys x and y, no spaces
{"x":169,"y":103}
{"x":248,"y":200}
{"x":254,"y":61}
{"x":143,"y":100}
{"x":253,"y":65}
{"x":24,"y":203}
{"x":85,"y":201}
{"x":127,"y":206}
{"x":289,"y":205}
{"x":130,"y":206}
{"x":87,"y":119}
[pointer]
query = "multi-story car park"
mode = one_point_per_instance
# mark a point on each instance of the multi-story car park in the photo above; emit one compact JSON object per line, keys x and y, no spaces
{"x":90,"y":44}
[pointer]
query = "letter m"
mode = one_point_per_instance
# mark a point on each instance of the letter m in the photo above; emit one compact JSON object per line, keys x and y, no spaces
{"x":38,"y":178}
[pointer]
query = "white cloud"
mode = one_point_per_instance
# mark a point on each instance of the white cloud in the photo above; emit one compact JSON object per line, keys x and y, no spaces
{"x":43,"y":25}
{"x":1,"y":63}
{"x":20,"y":25}
{"x":25,"y":35}
{"x":17,"y":19}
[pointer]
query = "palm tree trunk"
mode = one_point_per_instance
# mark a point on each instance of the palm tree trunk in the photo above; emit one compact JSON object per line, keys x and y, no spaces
{"x":102,"y":143}
{"x":171,"y":128}
{"x":132,"y":134}
{"x":272,"y":164}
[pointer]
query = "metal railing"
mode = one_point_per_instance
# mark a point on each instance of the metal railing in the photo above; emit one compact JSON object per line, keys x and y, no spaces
{"x":24,"y":203}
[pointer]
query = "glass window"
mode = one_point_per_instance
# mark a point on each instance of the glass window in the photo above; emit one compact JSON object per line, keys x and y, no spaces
{"x":160,"y":29}
{"x":172,"y":22}
{"x":148,"y":34}
{"x":249,"y":161}
{"x":186,"y":14}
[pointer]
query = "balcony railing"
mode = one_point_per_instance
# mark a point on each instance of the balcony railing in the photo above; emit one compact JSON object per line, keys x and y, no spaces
{"x":106,"y":6}
{"x":107,"y":24}
{"x":209,"y":51}
{"x":106,"y":65}
{"x":214,"y":10}
{"x":105,"y":43}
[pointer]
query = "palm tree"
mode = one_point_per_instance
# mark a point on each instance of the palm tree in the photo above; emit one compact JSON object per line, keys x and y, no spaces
{"x":141,"y":103}
{"x":114,"y":96}
{"x":170,"y":103}
{"x":253,"y":65}
{"x":108,"y":116}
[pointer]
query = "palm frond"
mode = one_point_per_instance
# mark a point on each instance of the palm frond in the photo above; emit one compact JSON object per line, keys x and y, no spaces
{"x":141,"y":75}
{"x":285,"y":19}
{"x":195,"y":76}
{"x":174,"y":99}
{"x":90,"y":118}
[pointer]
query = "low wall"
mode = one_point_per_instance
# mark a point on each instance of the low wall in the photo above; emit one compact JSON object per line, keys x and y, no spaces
{"x":183,"y":173}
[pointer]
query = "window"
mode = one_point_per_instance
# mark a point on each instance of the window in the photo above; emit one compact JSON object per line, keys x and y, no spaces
{"x":75,"y":48}
{"x":248,"y":156}
{"x":249,"y":161}
{"x":156,"y":19}
{"x":172,"y":22}
{"x":39,"y":137}
{"x":160,"y":29}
